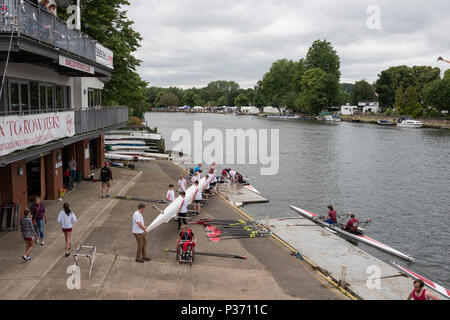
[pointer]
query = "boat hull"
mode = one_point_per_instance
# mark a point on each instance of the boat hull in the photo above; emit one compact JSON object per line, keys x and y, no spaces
{"x":172,"y":210}
{"x":360,"y":238}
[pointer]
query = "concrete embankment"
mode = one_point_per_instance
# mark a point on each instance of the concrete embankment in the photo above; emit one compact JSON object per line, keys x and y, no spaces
{"x":427,"y":123}
{"x":270,"y":272}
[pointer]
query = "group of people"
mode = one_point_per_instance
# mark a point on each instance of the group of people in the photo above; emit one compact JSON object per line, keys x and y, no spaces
{"x":32,"y":226}
{"x":352,"y":224}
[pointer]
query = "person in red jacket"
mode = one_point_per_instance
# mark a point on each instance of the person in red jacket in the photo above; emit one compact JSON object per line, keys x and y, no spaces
{"x":352,"y":224}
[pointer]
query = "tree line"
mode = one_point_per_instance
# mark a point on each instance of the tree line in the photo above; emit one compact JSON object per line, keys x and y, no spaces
{"x":309,"y":85}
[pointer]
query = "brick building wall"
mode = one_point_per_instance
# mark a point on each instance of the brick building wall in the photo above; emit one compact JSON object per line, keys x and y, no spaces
{"x":53,"y":175}
{"x":100,"y":154}
{"x":82,"y":162}
{"x":13,"y":188}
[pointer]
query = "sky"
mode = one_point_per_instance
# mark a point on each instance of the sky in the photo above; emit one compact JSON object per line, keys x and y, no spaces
{"x":189,"y":43}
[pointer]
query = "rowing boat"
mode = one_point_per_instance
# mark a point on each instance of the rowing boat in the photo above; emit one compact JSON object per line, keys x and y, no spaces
{"x":125,"y":142}
{"x":358,"y":237}
{"x":172,"y":210}
{"x":142,"y":148}
{"x":249,"y":187}
{"x":431,"y":284}
{"x":141,"y":153}
{"x":114,"y":156}
{"x":140,"y":136}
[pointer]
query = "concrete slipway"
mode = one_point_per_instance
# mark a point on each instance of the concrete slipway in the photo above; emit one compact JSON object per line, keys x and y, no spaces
{"x":344,"y":261}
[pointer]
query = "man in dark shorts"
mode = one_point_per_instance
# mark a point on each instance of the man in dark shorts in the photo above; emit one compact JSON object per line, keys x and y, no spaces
{"x":106,"y":178}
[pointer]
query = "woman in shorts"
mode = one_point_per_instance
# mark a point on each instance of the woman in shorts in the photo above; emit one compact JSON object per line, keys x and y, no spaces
{"x":66,"y":218}
{"x":28,"y":233}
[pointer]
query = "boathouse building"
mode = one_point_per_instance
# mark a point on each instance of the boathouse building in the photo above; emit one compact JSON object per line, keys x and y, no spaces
{"x":51,"y":111}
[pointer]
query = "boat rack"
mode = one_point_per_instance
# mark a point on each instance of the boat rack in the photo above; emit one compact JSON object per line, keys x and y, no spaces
{"x":88,"y":252}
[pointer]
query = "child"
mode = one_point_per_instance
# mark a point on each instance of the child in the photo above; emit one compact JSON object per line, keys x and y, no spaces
{"x":207,"y":188}
{"x":170,"y":196}
{"x":66,"y":218}
{"x":195,"y":177}
{"x":197,"y":197}
{"x":182,"y":184}
{"x":28,"y":233}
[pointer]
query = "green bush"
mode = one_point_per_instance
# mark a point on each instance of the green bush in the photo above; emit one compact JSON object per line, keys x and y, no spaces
{"x":432,"y":112}
{"x":388,"y":112}
{"x":418,"y":113}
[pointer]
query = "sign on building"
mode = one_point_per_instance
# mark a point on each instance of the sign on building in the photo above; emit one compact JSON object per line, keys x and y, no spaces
{"x":21,"y":132}
{"x":74,"y":64}
{"x":104,"y":56}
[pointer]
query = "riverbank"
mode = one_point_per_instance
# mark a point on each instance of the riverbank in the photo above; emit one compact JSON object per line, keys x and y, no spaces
{"x":270,"y":272}
{"x":427,"y":123}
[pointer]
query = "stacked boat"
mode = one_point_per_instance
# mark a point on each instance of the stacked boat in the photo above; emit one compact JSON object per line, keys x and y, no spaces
{"x":132,"y":145}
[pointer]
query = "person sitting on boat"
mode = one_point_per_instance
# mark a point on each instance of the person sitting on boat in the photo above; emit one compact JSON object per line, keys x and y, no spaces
{"x":170,"y":196}
{"x":352,"y":224}
{"x":232,"y":175}
{"x":187,"y":238}
{"x":419,"y":293}
{"x":332,"y":216}
{"x":240,"y":178}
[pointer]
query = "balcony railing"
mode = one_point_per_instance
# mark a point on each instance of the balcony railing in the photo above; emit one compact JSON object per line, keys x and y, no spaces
{"x":26,"y":19}
{"x":94,"y":119}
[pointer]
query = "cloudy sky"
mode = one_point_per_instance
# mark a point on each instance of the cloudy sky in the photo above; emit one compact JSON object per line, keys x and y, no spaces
{"x":189,"y":43}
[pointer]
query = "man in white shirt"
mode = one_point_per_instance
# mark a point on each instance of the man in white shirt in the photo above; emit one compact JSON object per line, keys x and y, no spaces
{"x":182,"y":211}
{"x":197,"y":198}
{"x":140,"y":232}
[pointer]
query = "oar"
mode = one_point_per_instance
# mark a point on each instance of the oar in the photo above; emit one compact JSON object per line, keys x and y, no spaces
{"x":136,"y":199}
{"x":302,"y":225}
{"x":217,"y":239}
{"x":221,"y":255}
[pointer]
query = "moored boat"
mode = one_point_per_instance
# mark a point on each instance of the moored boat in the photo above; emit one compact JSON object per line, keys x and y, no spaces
{"x":358,"y":237}
{"x":405,"y":122}
{"x":385,"y":123}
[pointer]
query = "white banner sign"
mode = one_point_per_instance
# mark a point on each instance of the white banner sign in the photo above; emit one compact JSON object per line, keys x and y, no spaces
{"x":77,"y":65}
{"x":21,"y":132}
{"x":104,"y":56}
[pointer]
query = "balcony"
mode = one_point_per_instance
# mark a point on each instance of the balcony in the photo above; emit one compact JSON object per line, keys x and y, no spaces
{"x":103,"y":117}
{"x":23,"y":20}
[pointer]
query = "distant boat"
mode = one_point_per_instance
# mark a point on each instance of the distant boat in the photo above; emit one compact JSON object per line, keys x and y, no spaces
{"x":385,"y":123}
{"x":405,"y":122}
{"x":280,"y":117}
{"x":332,"y":117}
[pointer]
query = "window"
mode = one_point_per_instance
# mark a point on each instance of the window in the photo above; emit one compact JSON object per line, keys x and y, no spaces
{"x":27,"y":96}
{"x":43,"y":98}
{"x":24,"y":98}
{"x":94,"y":97}
{"x":59,"y":98}
{"x":34,"y":96}
{"x":50,"y":98}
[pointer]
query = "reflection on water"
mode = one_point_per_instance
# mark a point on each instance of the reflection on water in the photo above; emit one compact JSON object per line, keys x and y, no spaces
{"x":397,"y":177}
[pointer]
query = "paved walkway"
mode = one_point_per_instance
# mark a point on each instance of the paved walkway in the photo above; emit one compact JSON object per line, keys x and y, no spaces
{"x":268,"y":273}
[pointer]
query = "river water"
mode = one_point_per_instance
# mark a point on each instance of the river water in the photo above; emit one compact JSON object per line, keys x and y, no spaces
{"x":398,"y":177}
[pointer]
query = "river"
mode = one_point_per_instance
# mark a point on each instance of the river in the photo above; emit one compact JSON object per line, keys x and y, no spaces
{"x":398,"y":177}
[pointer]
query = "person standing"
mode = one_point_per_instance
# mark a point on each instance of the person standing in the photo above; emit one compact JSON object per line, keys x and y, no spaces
{"x":106,"y":178}
{"x":28,"y":233}
{"x":170,"y":196}
{"x":139,"y":231}
{"x":66,"y":218}
{"x":419,"y":293}
{"x":182,"y":184}
{"x":197,"y":198}
{"x":182,"y":212}
{"x":198,"y":168}
{"x":73,"y":170}
{"x":39,"y":218}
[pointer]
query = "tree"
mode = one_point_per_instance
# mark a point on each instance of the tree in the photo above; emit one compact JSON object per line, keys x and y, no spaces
{"x":279,"y":82}
{"x":313,"y":97}
{"x":168,"y":100}
{"x":241,"y":100}
{"x":322,"y":55}
{"x":362,"y":91}
{"x":106,"y":21}
{"x":190,"y":98}
{"x":437,"y":94}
